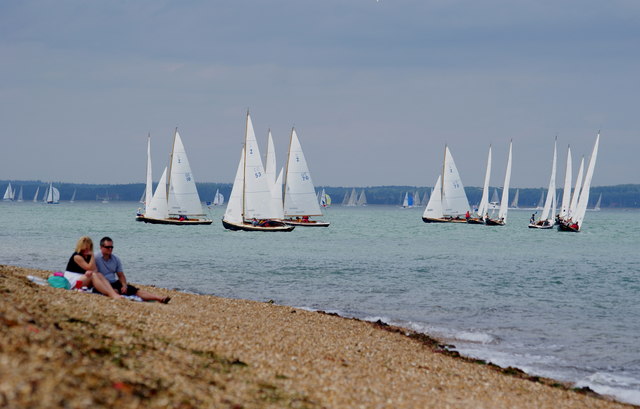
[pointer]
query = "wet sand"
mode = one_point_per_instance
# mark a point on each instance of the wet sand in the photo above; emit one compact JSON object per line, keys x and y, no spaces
{"x":61,"y":348}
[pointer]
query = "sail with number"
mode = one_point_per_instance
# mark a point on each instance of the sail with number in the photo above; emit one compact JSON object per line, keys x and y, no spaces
{"x":299,"y":192}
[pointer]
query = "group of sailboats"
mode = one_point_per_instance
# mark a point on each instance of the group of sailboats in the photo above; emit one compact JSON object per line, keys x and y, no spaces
{"x":258,"y":201}
{"x":449,"y":204}
{"x":574,"y":204}
{"x":354,"y":198}
{"x":176,"y":200}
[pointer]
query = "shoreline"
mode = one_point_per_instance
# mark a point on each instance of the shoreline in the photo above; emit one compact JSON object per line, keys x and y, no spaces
{"x":80,"y":349}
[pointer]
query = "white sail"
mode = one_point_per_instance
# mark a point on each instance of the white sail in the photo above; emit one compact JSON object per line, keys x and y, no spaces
{"x":218,"y":198}
{"x":157,"y":207}
{"x":270,"y":162}
{"x":53,"y":195}
{"x":454,"y":198}
{"x":484,"y":200}
{"x":434,"y":206}
{"x":425,"y":198}
{"x":540,"y":204}
{"x":345,"y":200}
{"x":566,"y":190}
{"x":20,"y":195}
{"x":183,"y":195}
{"x":576,"y":191}
{"x":597,"y":206}
{"x":35,"y":197}
{"x":552,"y":188}
{"x":8,"y":194}
{"x":405,"y":200}
{"x":416,"y":199}
{"x":257,"y":193}
{"x":514,"y":203}
{"x":233,"y":214}
{"x":504,"y":203}
{"x":276,"y":196}
{"x":149,"y":186}
{"x":73,"y":196}
{"x":353,"y":198}
{"x":495,"y":198}
{"x":299,"y":193}
{"x":46,"y":194}
{"x":362,"y":199}
{"x":586,"y":186}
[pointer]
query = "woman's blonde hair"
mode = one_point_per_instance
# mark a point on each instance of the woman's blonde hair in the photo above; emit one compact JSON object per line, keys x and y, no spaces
{"x":84,"y":242}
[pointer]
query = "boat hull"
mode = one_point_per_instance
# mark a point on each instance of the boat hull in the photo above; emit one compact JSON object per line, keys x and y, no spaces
{"x":448,"y":220}
{"x":310,"y":223}
{"x":492,"y":222}
{"x":567,"y":227}
{"x":177,"y":222}
{"x":278,"y":227}
{"x":475,"y":221}
{"x":540,"y":226}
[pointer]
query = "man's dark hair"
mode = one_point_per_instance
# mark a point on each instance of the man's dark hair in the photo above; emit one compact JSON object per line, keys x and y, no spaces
{"x":104,"y":240}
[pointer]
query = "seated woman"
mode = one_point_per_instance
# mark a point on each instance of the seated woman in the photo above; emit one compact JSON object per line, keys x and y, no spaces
{"x":82,"y":272}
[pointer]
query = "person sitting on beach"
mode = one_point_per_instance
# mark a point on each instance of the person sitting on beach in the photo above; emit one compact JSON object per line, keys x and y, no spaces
{"x":81,"y":269}
{"x":111,"y":268}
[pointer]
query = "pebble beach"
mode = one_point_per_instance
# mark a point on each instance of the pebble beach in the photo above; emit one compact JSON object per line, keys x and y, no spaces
{"x":61,"y":348}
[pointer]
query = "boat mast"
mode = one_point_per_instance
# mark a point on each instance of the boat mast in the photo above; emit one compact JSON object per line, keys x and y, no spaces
{"x":244,"y":170}
{"x":171,"y":161}
{"x":286,"y":174}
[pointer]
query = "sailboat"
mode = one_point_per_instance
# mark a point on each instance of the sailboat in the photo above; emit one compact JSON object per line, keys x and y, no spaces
{"x":52,"y":196}
{"x":407,"y":202}
{"x":448,"y":203}
{"x":362,"y":199}
{"x":495,"y":200}
{"x":325,"y":199}
{"x":218,"y":199}
{"x":345,"y":199}
{"x":416,"y":199}
{"x":547,"y":217}
{"x":481,"y":213}
{"x":250,"y":207}
{"x":73,"y":196}
{"x":596,"y":208}
{"x":176,"y":200}
{"x":147,"y":195}
{"x":353,"y":198}
{"x":574,"y":222}
{"x":540,"y":204}
{"x":299,"y":194}
{"x":566,"y":192}
{"x":20,"y":199}
{"x":8,"y":194}
{"x":514,"y":202}
{"x":504,"y":202}
{"x":35,"y":197}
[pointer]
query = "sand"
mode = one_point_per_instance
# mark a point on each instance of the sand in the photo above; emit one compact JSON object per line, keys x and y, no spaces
{"x":61,"y":348}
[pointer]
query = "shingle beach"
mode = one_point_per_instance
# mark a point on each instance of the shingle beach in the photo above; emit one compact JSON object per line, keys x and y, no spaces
{"x":61,"y":348}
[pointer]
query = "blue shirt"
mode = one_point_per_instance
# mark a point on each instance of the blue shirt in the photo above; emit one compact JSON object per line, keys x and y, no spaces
{"x":110,"y":267}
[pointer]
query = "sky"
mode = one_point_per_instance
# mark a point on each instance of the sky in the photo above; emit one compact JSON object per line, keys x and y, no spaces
{"x":375,"y":89}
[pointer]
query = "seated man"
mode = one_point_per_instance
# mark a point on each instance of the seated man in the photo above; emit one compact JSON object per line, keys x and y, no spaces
{"x":111,"y":268}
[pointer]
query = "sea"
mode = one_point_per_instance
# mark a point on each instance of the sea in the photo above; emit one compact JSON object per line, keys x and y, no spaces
{"x":554,"y":304}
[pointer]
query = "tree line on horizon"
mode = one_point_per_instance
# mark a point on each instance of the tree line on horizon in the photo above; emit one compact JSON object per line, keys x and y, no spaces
{"x":618,"y":196}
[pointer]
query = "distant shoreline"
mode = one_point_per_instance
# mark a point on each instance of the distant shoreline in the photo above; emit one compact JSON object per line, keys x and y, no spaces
{"x":203,"y":350}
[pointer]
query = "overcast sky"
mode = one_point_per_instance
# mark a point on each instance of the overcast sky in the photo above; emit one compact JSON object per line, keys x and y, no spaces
{"x":375,"y":89}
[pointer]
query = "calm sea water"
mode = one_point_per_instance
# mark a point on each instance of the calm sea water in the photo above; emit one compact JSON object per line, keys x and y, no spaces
{"x":561,"y":305}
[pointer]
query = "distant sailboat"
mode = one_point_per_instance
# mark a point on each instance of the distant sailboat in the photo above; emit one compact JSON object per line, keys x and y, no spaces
{"x":324,"y":199}
{"x":345,"y":200}
{"x":218,"y":199}
{"x":299,"y":193}
{"x":8,"y":194}
{"x":20,"y":195}
{"x":566,"y":192}
{"x":495,"y":200}
{"x":407,"y":202}
{"x":452,"y":203}
{"x":52,"y":196}
{"x":547,"y":217}
{"x":416,"y":199}
{"x":540,"y":204}
{"x":362,"y":199}
{"x":250,"y":206}
{"x":597,"y":206}
{"x":353,"y":198}
{"x":574,"y":223}
{"x":514,"y":203}
{"x":176,"y":200}
{"x":35,"y":197}
{"x":504,"y":202}
{"x":73,"y":196}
